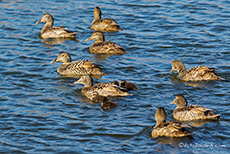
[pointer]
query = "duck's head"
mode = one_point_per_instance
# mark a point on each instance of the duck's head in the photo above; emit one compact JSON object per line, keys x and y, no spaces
{"x":97,"y":13}
{"x":94,"y":94}
{"x":123,"y":83}
{"x":180,"y":101}
{"x":177,"y":65}
{"x":160,"y":115}
{"x":46,"y":18}
{"x":115,"y":83}
{"x":98,"y":36}
{"x":86,"y":80}
{"x":62,"y":57}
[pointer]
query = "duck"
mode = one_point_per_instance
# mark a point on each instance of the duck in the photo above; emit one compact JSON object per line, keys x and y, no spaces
{"x":116,"y":83}
{"x":76,"y":68}
{"x":104,"y":25}
{"x":198,"y":73}
{"x":128,"y":85}
{"x":102,"y":46}
{"x":107,"y":104}
{"x":103,"y":89}
{"x":183,"y":112}
{"x":168,"y":129}
{"x":48,"y":31}
{"x":95,"y":97}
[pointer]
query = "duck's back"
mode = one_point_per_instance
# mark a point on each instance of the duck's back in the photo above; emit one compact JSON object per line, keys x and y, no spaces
{"x":57,"y":32}
{"x":200,"y":73}
{"x":170,"y":129}
{"x":106,"y":47}
{"x":194,"y":112}
{"x":79,"y":67}
{"x":104,"y":89}
{"x":105,"y":25}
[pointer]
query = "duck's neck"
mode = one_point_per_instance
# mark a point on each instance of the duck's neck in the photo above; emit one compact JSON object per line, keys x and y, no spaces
{"x":182,"y":70}
{"x":158,"y":124}
{"x":89,"y":84}
{"x":100,"y":39}
{"x":47,"y":26}
{"x":97,"y":16}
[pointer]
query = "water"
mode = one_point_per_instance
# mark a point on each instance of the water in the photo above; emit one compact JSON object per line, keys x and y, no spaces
{"x":43,"y":112}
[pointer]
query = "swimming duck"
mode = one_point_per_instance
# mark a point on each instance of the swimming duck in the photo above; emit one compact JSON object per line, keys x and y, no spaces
{"x":107,"y":104}
{"x":103,"y":89}
{"x":168,"y":129}
{"x":95,"y":97}
{"x":48,"y":31}
{"x":104,"y":25}
{"x":127,"y":85}
{"x":76,"y":68}
{"x":116,"y":83}
{"x":183,"y":112}
{"x":197,"y":73}
{"x":102,"y":46}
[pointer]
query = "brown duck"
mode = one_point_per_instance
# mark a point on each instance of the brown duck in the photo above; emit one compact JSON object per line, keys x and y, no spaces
{"x":168,"y":129}
{"x":48,"y":31}
{"x":76,"y":68}
{"x":197,"y":73}
{"x":102,"y":46}
{"x":183,"y":112}
{"x":107,"y":104}
{"x":104,"y":25}
{"x":103,"y":89}
{"x":128,"y":85}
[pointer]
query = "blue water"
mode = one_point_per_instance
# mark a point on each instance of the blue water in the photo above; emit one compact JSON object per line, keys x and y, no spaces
{"x":43,"y":112}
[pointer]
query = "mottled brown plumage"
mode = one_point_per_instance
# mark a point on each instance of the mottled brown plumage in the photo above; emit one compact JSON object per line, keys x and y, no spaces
{"x":101,"y":46}
{"x":168,"y":129}
{"x":48,"y":31}
{"x":76,"y":68}
{"x":183,"y":112}
{"x":104,"y":25}
{"x":197,"y":73}
{"x":103,"y":89}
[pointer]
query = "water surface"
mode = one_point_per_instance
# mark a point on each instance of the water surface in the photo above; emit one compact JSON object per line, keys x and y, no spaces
{"x":43,"y":112}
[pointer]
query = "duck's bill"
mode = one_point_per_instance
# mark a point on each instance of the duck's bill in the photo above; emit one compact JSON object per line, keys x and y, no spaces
{"x":39,"y":21}
{"x":55,"y":60}
{"x":172,"y":70}
{"x":88,"y":39}
{"x":77,"y":82}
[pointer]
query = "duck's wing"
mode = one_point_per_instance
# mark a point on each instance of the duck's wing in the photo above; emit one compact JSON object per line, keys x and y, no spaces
{"x":194,"y":112}
{"x":170,"y":129}
{"x":108,"y":89}
{"x":198,"y":108}
{"x":106,"y":25}
{"x":204,"y":113}
{"x":107,"y":47}
{"x":199,"y":73}
{"x":108,"y":21}
{"x":58,"y":31}
{"x":78,"y":67}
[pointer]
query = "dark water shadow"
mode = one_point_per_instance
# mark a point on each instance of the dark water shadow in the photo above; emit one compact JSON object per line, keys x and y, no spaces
{"x":103,"y":56}
{"x":55,"y":41}
{"x":198,"y":123}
